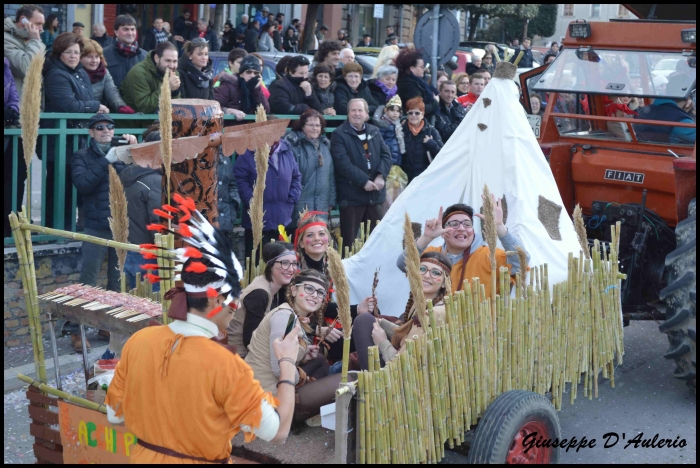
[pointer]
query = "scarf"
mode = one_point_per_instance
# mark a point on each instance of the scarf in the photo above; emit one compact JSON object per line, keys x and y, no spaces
{"x":416,"y":130}
{"x":161,"y":36}
{"x":295,"y":80}
{"x":388,"y":92}
{"x":247,"y":88}
{"x":97,"y":74}
{"x":103,"y":147}
{"x":126,"y":50}
{"x":274,"y":156}
{"x":611,"y":108}
{"x":201,"y":78}
{"x":427,"y":89}
{"x":362,"y":135}
{"x":316,"y":143}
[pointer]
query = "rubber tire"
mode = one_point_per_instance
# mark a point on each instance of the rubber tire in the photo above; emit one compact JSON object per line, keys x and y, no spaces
{"x":679,"y":300}
{"x":504,"y":418}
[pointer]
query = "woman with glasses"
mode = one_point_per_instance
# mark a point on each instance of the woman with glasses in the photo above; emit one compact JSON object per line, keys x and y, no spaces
{"x":240,"y":93}
{"x":422,"y":141}
{"x":410,"y":83}
{"x":312,"y":151}
{"x":261,"y":295}
{"x":194,"y":68}
{"x":487,"y":63}
{"x":462,"y":82}
{"x":306,"y":296}
{"x":390,"y":337}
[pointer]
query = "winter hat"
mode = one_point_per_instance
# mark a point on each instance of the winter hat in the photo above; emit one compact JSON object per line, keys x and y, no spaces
{"x":394,"y":101}
{"x":249,"y":62}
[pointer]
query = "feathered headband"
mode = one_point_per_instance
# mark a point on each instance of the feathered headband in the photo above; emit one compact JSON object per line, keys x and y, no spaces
{"x":206,"y":242}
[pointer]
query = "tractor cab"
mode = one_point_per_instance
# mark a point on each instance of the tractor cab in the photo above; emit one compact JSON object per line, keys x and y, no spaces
{"x":617,"y":126}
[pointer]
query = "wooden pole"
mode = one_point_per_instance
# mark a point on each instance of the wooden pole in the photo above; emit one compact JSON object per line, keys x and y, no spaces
{"x":61,"y":394}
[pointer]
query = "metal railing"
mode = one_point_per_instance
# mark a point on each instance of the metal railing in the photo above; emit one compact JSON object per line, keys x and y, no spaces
{"x":59,"y":133}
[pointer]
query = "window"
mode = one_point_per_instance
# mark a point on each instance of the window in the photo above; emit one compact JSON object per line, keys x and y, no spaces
{"x":622,"y":12}
{"x":568,"y":9}
{"x":595,"y":10}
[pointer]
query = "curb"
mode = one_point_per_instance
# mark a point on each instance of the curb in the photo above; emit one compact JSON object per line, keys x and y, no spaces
{"x":67,"y":363}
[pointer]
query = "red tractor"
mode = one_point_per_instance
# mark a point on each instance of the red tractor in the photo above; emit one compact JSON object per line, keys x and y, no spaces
{"x":617,"y":126}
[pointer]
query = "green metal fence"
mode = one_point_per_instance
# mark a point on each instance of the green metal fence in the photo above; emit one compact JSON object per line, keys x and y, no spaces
{"x":58,"y":133}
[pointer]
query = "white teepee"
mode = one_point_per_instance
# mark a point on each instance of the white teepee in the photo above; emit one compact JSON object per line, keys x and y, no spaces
{"x":493,"y":145}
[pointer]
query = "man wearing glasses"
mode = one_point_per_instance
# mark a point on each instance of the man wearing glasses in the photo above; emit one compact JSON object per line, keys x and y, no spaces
{"x":465,"y":248}
{"x":90,"y":172}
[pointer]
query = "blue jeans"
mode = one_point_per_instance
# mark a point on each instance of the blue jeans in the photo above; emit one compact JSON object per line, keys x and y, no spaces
{"x":133,"y":263}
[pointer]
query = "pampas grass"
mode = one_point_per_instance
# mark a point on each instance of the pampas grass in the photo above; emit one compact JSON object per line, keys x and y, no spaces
{"x":522,"y":256}
{"x":489,"y":221}
{"x":260,"y":115}
{"x":119,"y":221}
{"x":342,"y":294}
{"x":580,"y":228}
{"x":262,"y":156}
{"x":413,"y":272}
{"x":31,"y":107}
{"x":165,"y":117}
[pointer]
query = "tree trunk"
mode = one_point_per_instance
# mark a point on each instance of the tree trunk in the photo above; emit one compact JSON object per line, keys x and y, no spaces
{"x":219,"y":17}
{"x":307,"y":38}
{"x":473,"y":21}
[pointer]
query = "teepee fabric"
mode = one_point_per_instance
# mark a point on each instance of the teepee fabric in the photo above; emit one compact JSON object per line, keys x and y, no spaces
{"x":494,"y":145}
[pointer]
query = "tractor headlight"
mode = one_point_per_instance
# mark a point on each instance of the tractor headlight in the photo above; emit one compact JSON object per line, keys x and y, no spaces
{"x":688,"y":36}
{"x":580,"y":30}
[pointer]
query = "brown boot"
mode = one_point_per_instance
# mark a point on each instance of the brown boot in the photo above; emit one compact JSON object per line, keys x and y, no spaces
{"x":77,"y":345}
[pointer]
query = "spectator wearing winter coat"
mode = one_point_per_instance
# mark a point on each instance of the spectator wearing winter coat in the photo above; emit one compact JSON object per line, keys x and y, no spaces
{"x":99,"y":35}
{"x":251,"y":37}
{"x":527,"y":60}
{"x":50,"y":32}
{"x":265,"y":42}
{"x":228,"y":38}
{"x":362,"y":163}
{"x":143,"y":189}
{"x":103,"y":88}
{"x":195,"y":71}
{"x":312,"y":151}
{"x":352,"y":86}
{"x":242,"y":26}
{"x":90,"y":171}
{"x":450,"y":113}
{"x":229,"y":202}
{"x":67,"y":86}
{"x":261,"y":16}
{"x":410,"y":83}
{"x":366,"y":41}
{"x":324,"y":87}
{"x":387,"y":118}
{"x":290,"y":42}
{"x":423,"y":142}
{"x":383,"y":87}
{"x":240,"y":93}
{"x":11,"y":119}
{"x":293,"y":94}
{"x":282,"y":190}
{"x":182,"y":29}
{"x":277,"y":36}
{"x":23,"y":41}
{"x":155,"y":35}
{"x":204,"y":31}
{"x":125,"y":53}
{"x":141,"y":87}
{"x":235,"y":57}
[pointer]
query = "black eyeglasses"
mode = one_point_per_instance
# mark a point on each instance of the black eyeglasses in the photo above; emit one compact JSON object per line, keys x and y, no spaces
{"x":310,"y":290}
{"x":102,"y":127}
{"x":434,"y":272}
{"x":286,"y":264}
{"x":455,"y":224}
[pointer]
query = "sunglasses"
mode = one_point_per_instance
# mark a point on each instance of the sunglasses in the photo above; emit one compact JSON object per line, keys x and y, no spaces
{"x":413,"y":113}
{"x":287,"y":264}
{"x":102,"y":127}
{"x":310,"y":290}
{"x":434,"y":272}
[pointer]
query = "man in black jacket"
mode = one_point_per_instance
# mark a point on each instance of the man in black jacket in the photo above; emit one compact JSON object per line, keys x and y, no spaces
{"x":182,"y":28}
{"x":293,"y":94}
{"x":526,"y":61}
{"x":125,"y":52}
{"x":155,"y":35}
{"x":362,"y":162}
{"x":450,"y":113}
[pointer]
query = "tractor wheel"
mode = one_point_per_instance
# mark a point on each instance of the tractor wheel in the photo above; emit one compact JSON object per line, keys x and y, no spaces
{"x":679,"y":300}
{"x":504,"y":428}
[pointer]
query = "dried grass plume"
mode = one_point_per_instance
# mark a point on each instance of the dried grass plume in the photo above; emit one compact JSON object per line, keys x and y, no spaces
{"x":260,"y":115}
{"x":256,"y":212}
{"x":119,"y":219}
{"x":522,"y":256}
{"x":580,"y":228}
{"x":490,"y":226}
{"x":413,"y":272}
{"x":165,"y":117}
{"x":30,"y":106}
{"x":342,"y":291}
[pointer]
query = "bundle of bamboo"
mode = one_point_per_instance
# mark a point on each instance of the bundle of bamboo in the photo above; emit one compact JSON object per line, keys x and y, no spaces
{"x":537,"y":341}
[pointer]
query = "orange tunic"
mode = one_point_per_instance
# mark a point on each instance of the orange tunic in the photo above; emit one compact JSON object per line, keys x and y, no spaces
{"x":478,"y":265}
{"x":191,"y":398}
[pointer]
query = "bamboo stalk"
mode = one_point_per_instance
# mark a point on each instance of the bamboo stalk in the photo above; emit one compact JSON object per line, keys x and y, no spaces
{"x":64,"y":395}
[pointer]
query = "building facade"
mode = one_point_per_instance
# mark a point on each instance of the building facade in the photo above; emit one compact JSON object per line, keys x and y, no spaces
{"x":568,"y":12}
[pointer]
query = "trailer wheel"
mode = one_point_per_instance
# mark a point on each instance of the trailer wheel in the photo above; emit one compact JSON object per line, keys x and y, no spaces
{"x":507,"y":422}
{"x":679,"y":300}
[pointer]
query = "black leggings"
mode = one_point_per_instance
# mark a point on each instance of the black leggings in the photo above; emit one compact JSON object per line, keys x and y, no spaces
{"x":312,"y":395}
{"x":362,"y":336}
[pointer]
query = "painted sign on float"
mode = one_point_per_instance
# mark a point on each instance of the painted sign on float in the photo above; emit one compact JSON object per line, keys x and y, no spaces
{"x":87,"y":436}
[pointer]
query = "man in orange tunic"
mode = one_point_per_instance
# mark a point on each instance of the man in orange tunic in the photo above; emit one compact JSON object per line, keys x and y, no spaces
{"x":183,"y":395}
{"x":465,"y":248}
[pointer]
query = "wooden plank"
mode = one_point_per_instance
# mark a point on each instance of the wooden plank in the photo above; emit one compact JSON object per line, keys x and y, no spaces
{"x":45,"y":433}
{"x":43,"y":415}
{"x":51,"y":456}
{"x":98,"y":319}
{"x":37,"y":397}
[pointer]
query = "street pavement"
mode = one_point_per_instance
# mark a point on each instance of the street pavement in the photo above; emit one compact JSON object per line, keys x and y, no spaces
{"x":646,"y":399}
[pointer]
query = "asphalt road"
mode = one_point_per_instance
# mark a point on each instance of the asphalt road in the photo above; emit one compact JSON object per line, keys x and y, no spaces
{"x":646,"y":399}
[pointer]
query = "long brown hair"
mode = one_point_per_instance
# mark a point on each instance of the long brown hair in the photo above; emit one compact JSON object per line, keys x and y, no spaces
{"x":403,"y":330}
{"x":305,"y":275}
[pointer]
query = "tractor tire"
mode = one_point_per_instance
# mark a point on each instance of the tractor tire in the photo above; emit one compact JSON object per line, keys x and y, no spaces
{"x":679,"y":300}
{"x":507,"y":422}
